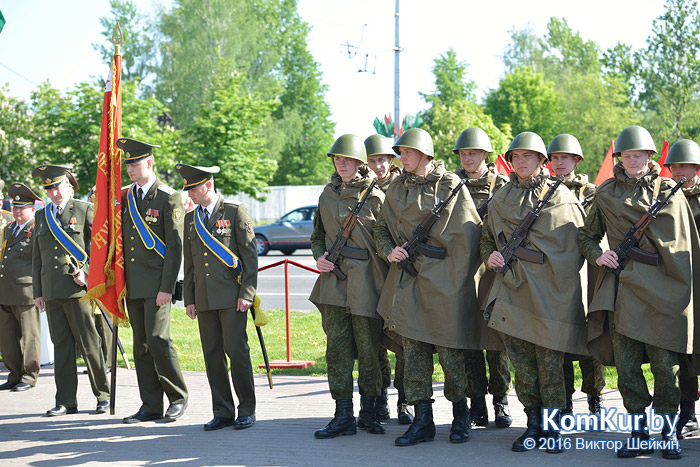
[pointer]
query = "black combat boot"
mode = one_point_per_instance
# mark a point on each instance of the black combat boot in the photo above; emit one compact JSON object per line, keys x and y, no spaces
{"x":404,"y":410}
{"x":687,"y":422}
{"x":422,"y":428}
{"x":673,"y":449}
{"x":556,"y":446}
{"x":642,"y":434}
{"x":500,"y":408}
{"x":534,"y":431}
{"x":343,"y":422}
{"x":382,"y":407}
{"x":368,"y":419}
{"x":478,"y":413}
{"x":459,"y":432}
{"x":595,"y":403}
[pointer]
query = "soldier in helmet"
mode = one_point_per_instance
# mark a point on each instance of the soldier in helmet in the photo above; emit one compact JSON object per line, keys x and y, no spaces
{"x":565,"y":153}
{"x":20,"y":322}
{"x":431,"y":310}
{"x":536,"y":304}
{"x":60,"y":253}
{"x":683,"y":160}
{"x":647,"y":309}
{"x":152,"y":230}
{"x":482,"y":180}
{"x":380,"y":158}
{"x":348,"y":306}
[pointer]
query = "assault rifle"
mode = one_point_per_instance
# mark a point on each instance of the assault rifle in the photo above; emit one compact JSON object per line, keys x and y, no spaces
{"x":627,"y":248}
{"x":514,"y":247}
{"x":483,"y":209}
{"x":339,"y":247}
{"x":417,"y":243}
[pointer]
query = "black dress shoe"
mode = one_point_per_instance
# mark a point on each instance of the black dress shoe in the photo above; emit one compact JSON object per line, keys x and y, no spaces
{"x":142,"y":416}
{"x":19,"y":387}
{"x":61,"y":410}
{"x":175,"y":411}
{"x":102,"y":406}
{"x":244,"y":421}
{"x":218,"y":423}
{"x":7,"y":386}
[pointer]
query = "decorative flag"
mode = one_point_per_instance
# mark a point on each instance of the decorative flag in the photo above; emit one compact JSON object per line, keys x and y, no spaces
{"x":664,"y":152}
{"x":106,"y":281}
{"x":606,"y":168}
{"x":2,"y":21}
{"x":503,"y":166}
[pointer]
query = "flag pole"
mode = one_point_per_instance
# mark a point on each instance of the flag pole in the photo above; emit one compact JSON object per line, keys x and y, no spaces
{"x":117,"y":40}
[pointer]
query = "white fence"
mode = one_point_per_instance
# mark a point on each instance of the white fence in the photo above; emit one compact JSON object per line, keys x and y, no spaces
{"x":280,"y":200}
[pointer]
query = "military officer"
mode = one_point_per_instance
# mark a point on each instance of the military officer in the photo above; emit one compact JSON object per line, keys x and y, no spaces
{"x":566,"y":154}
{"x":152,"y":231}
{"x":221,"y":274}
{"x":20,"y":323}
{"x":434,"y":308}
{"x":380,"y":158}
{"x":62,"y":232}
{"x":647,"y":308}
{"x":536,"y":304}
{"x":473,"y":147}
{"x":683,"y":160}
{"x":348,"y":306}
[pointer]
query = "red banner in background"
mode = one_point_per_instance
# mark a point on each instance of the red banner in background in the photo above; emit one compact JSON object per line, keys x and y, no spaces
{"x":664,"y":152}
{"x":606,"y":168}
{"x":503,"y":166}
{"x":106,"y":281}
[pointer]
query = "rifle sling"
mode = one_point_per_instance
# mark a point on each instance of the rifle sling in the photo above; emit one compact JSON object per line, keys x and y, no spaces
{"x":642,"y":256}
{"x":354,"y":253}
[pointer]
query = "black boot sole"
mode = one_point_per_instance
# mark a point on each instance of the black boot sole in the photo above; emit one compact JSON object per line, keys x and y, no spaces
{"x":424,"y":440}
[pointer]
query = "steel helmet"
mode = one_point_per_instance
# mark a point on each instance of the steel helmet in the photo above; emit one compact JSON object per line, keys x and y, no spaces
{"x":349,"y":146}
{"x":473,"y":138}
{"x":634,"y":138}
{"x":565,"y":143}
{"x":683,"y":151}
{"x":415,"y":138}
{"x":377,"y":145}
{"x":527,"y":140}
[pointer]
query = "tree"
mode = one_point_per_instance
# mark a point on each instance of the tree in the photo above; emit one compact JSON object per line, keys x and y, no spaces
{"x":15,"y":138}
{"x":526,"y":101}
{"x":668,"y":70}
{"x":228,"y":132}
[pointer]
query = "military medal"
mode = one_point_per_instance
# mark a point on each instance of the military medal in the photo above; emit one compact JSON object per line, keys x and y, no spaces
{"x":72,"y":221}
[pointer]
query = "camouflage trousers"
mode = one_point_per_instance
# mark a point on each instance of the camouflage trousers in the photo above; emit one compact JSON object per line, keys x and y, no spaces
{"x":687,"y":379}
{"x":498,"y":381}
{"x":629,"y":356}
{"x":346,"y":332}
{"x":592,"y":376}
{"x":385,"y":365}
{"x":418,"y":371}
{"x":539,"y":373}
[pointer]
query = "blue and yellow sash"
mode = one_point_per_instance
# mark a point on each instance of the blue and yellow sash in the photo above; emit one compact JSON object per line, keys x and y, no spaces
{"x":150,"y":240}
{"x":216,"y":247}
{"x":63,"y":238}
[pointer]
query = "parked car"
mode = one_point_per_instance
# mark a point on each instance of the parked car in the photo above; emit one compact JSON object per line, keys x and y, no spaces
{"x":290,"y":233}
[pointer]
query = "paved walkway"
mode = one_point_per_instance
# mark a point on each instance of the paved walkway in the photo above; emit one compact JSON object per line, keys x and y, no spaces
{"x":283,"y":435}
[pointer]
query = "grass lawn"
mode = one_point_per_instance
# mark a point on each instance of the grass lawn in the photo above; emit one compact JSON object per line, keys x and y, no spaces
{"x":308,"y":343}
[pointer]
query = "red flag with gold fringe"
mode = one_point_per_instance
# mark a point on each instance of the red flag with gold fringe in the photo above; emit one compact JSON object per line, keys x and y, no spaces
{"x":106,"y":281}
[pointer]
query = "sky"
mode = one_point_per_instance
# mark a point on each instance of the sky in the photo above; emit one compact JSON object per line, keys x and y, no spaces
{"x":52,"y":40}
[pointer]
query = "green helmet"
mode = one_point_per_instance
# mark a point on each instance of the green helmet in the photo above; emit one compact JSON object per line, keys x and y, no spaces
{"x":634,"y":138}
{"x":349,"y":146}
{"x":565,"y":143}
{"x":378,"y":145}
{"x":415,"y":138}
{"x":473,"y":138}
{"x":683,"y":151}
{"x":527,"y":140}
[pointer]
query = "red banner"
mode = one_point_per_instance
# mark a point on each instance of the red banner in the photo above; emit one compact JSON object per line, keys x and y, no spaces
{"x":106,"y":282}
{"x":606,"y":168}
{"x":503,"y":166}
{"x":665,"y":172}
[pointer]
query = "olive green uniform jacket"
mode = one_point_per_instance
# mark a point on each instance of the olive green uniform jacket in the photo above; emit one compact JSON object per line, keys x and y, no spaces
{"x":538,"y":303}
{"x":438,"y":305}
{"x":580,"y":187}
{"x":146,"y":272}
{"x":651,"y":304}
{"x":394,"y":172}
{"x":16,"y":266}
{"x":358,"y":293}
{"x":209,"y":284}
{"x":5,"y":218}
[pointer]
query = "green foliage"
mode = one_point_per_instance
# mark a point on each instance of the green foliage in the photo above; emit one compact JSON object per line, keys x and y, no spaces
{"x":228,"y":132}
{"x":526,"y":101}
{"x":15,"y":138}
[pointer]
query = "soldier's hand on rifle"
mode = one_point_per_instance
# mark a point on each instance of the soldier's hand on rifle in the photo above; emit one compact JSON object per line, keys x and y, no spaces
{"x":398,"y":254}
{"x":244,"y":305}
{"x":80,"y":278}
{"x":323,"y":265}
{"x":191,"y":311}
{"x":496,"y":260}
{"x":608,"y":258}
{"x":162,"y":298}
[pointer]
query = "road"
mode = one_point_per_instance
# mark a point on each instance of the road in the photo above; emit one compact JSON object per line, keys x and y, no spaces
{"x":271,"y":281}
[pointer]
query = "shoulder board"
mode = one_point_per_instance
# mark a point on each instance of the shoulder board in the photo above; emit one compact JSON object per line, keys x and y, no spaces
{"x":235,"y":203}
{"x":166,"y":189}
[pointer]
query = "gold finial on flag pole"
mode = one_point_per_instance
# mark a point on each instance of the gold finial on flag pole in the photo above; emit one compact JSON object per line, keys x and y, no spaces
{"x":117,"y":38}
